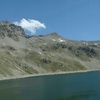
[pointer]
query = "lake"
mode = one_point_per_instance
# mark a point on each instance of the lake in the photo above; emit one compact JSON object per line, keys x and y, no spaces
{"x":70,"y":86}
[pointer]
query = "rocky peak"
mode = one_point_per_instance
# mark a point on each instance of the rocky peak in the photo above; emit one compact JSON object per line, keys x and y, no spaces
{"x":4,"y":22}
{"x":10,"y":30}
{"x":53,"y":34}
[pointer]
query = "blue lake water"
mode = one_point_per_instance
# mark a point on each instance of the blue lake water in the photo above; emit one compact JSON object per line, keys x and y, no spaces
{"x":73,"y":86}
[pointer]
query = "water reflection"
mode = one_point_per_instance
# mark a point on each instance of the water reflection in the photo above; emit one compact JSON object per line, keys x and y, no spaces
{"x":76,"y":86}
{"x":82,"y":97}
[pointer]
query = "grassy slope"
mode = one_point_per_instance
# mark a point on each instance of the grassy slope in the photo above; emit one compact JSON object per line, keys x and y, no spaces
{"x":44,"y":54}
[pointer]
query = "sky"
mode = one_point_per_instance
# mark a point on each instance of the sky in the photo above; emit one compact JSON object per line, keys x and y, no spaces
{"x":72,"y":19}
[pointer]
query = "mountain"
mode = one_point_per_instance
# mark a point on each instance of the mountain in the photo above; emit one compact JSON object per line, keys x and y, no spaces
{"x":24,"y":55}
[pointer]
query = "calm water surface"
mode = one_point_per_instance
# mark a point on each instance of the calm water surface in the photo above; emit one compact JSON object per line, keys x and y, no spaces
{"x":74,"y":86}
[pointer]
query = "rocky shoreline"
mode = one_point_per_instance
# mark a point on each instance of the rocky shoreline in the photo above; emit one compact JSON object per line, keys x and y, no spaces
{"x":46,"y":74}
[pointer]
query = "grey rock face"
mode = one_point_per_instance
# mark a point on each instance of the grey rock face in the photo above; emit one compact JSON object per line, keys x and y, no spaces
{"x":10,"y":30}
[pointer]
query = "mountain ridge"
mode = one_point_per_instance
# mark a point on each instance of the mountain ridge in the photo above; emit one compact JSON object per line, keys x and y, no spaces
{"x":51,"y":53}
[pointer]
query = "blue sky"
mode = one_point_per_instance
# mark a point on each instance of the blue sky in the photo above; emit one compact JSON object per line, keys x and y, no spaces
{"x":72,"y":19}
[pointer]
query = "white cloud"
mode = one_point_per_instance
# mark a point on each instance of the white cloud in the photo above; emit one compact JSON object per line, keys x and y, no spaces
{"x":30,"y":25}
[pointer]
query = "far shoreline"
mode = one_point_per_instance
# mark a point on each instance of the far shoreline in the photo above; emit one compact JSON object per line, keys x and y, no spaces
{"x":46,"y":74}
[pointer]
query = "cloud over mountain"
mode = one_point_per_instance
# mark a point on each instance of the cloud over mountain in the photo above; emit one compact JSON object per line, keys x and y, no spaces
{"x":30,"y":25}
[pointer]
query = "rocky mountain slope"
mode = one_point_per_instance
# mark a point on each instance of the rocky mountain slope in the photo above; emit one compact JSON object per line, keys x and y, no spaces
{"x":23,"y":55}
